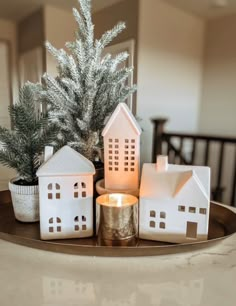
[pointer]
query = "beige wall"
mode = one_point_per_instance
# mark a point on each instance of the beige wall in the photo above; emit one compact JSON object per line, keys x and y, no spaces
{"x":8,"y":33}
{"x":60,"y":28}
{"x":126,"y":11}
{"x":218,"y":108}
{"x":170,"y":61}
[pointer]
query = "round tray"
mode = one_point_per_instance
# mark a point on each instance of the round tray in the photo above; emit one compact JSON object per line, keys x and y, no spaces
{"x":222,"y":225}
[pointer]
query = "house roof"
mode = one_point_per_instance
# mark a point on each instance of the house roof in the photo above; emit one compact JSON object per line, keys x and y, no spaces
{"x":66,"y":162}
{"x":171,"y":182}
{"x":122,"y":107}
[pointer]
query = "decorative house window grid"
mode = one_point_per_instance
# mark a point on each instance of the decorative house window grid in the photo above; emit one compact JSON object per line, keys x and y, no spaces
{"x":80,"y":223}
{"x":129,"y":152}
{"x":113,"y":155}
{"x":181,"y":208}
{"x":54,"y":191}
{"x":202,"y":211}
{"x":192,"y":210}
{"x":54,"y":225}
{"x":154,"y":221}
{"x":80,"y":190}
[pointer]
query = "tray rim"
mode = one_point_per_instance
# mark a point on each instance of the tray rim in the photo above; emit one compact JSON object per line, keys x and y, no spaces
{"x":115,"y":251}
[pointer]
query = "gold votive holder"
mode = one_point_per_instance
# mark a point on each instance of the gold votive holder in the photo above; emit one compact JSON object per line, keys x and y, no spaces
{"x":116,"y":219}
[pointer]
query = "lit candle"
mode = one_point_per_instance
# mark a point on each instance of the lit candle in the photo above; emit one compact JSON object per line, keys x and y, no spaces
{"x":117,"y":217}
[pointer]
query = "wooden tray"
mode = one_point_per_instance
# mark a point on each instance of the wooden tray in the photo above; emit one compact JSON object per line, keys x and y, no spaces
{"x":222,"y":225}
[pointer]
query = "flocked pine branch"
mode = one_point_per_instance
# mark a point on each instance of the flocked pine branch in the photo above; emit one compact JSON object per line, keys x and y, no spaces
{"x":89,"y":84}
{"x":21,"y":148}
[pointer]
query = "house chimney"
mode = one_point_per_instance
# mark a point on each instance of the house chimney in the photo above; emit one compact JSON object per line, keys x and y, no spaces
{"x":48,"y":152}
{"x":162,"y":163}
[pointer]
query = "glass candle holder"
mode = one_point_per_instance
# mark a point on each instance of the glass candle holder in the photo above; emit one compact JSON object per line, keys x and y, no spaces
{"x":117,"y":218}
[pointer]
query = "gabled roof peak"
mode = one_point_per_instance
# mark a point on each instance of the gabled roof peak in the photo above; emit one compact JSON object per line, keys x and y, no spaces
{"x":122,"y":107}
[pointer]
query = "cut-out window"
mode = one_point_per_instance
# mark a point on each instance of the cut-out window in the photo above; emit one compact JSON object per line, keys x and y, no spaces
{"x":76,"y":195}
{"x":50,"y":196}
{"x":126,"y":152}
{"x":76,"y":186}
{"x":116,"y":164}
{"x":191,"y":231}
{"x":126,"y":140}
{"x":162,"y":215}
{"x":126,"y":147}
{"x":162,"y":225}
{"x":132,"y":164}
{"x":110,"y":163}
{"x":54,"y":226}
{"x":58,"y":187}
{"x":83,"y":218}
{"x":202,"y":211}
{"x":132,"y":152}
{"x":110,"y":151}
{"x":133,"y":140}
{"x":192,"y":210}
{"x":116,"y":169}
{"x":116,"y":146}
{"x":116,"y":140}
{"x":49,"y":186}
{"x":83,"y":185}
{"x":126,"y":169}
{"x":132,"y":147}
{"x":116,"y":157}
{"x":152,"y":224}
{"x":181,"y":208}
{"x":84,"y":194}
{"x":110,"y":140}
{"x":58,"y":196}
{"x":126,"y":164}
{"x":110,"y":146}
{"x":132,"y":169}
{"x":110,"y":168}
{"x":76,"y":227}
{"x":132,"y":158}
{"x":84,"y":227}
{"x":126,"y":158}
{"x":116,"y":152}
{"x":152,"y":214}
{"x":76,"y":219}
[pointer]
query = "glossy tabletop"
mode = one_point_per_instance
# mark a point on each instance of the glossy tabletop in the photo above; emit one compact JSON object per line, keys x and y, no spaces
{"x":31,"y":277}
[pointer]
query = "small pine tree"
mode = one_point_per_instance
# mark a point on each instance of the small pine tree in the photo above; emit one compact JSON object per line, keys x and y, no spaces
{"x":21,"y":148}
{"x":88,"y":86}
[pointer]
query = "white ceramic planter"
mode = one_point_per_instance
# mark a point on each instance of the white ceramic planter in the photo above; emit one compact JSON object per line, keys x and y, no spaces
{"x":25,"y":200}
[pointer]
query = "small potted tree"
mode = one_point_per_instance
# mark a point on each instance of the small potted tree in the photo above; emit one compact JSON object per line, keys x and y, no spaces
{"x":88,"y":87}
{"x":21,"y":149}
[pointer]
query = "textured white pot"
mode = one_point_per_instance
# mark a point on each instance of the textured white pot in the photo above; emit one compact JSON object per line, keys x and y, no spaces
{"x":25,"y":200}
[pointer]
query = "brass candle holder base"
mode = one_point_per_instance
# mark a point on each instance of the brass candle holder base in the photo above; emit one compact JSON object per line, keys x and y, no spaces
{"x":131,"y":242}
{"x":117,"y":219}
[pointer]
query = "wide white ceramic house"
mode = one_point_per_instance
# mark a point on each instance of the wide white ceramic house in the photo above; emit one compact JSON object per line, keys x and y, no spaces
{"x":122,"y":150}
{"x":174,"y":202}
{"x":66,"y":195}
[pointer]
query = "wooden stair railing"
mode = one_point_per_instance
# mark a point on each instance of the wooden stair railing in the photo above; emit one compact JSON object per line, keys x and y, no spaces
{"x":176,"y":153}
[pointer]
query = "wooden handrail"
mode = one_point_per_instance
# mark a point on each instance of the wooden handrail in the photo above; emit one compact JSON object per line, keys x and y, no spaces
{"x":160,"y":136}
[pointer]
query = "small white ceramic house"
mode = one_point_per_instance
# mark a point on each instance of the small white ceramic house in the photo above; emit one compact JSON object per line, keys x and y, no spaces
{"x":66,"y":195}
{"x":174,"y":202}
{"x":122,"y":150}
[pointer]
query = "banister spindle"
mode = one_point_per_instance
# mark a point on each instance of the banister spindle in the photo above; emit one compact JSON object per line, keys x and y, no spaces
{"x":206,"y":158}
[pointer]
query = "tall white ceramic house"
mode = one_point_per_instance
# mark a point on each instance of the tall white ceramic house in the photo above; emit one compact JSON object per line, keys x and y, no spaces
{"x":122,"y":150}
{"x":174,"y":202}
{"x":66,"y":196}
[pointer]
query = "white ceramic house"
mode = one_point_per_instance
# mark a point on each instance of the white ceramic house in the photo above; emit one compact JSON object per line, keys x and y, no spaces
{"x":174,"y":202}
{"x":122,"y":150}
{"x":66,"y":196}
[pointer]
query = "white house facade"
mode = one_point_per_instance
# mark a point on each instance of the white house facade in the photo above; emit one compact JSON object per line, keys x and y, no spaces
{"x":174,"y":203}
{"x":122,"y":150}
{"x":66,"y":196}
